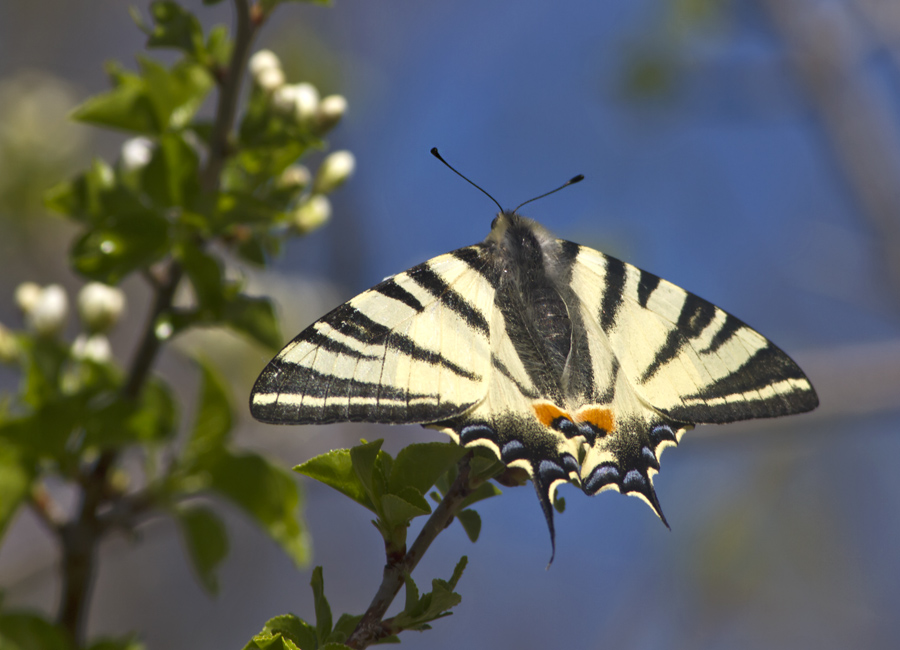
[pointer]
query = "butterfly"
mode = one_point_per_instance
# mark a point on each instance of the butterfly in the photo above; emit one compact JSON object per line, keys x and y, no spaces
{"x":561,"y":360}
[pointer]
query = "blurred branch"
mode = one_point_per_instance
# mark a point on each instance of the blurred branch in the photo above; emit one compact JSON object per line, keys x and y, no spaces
{"x":827,"y":47}
{"x":81,"y":536}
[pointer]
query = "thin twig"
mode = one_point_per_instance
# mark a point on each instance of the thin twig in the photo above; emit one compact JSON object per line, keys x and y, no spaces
{"x":371,"y":627}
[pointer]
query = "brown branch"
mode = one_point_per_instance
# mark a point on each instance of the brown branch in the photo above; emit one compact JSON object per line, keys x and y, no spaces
{"x":371,"y":627}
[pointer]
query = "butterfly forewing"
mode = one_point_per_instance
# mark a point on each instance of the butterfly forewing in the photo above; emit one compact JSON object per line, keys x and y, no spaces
{"x":404,"y":351}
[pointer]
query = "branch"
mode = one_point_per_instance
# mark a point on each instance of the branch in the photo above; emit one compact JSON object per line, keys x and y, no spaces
{"x":371,"y":627}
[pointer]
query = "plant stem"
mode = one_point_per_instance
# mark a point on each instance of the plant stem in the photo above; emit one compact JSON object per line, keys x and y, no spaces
{"x":80,"y":537}
{"x":371,"y":627}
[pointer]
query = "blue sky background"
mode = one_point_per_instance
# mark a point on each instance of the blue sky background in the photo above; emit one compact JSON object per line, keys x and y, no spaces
{"x":783,"y":535}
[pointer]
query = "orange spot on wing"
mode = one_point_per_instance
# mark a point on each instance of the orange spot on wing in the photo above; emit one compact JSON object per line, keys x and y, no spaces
{"x":546,"y":413}
{"x":600,"y":417}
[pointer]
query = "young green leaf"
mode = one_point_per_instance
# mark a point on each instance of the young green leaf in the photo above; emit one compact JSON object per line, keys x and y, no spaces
{"x":125,"y":243}
{"x":213,"y":421}
{"x":285,"y":632}
{"x":370,"y":472}
{"x":206,"y":540}
{"x":264,"y":491}
{"x":419,"y":465}
{"x":323,"y":609}
{"x":123,"y":643}
{"x":176,"y":27}
{"x":26,"y":631}
{"x":335,"y":469}
{"x":471,"y":523}
{"x":171,"y":177}
{"x":15,"y":481}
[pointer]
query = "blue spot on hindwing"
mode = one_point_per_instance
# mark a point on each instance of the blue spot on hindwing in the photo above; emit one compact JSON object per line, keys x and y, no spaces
{"x":601,"y":476}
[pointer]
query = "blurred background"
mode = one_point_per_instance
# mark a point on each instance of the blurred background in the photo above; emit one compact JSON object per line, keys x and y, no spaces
{"x":747,"y":150}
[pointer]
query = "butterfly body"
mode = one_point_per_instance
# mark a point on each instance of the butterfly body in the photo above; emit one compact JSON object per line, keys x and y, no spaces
{"x":563,"y":361}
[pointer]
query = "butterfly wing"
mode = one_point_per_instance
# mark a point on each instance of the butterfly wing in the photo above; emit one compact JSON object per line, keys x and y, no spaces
{"x":413,"y":349}
{"x":672,"y":360}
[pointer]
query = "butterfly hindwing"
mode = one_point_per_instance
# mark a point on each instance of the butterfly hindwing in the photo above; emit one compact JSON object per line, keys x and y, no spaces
{"x":412,"y":349}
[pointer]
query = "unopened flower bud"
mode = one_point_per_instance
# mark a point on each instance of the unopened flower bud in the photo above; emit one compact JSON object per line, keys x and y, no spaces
{"x":312,"y":214}
{"x":27,"y":295}
{"x":269,"y":79}
{"x":299,"y":100}
{"x":331,"y":110}
{"x":100,"y":306}
{"x":48,"y":315}
{"x":9,"y":347}
{"x":263,"y":60}
{"x":136,"y":153}
{"x":334,"y":171}
{"x":94,"y":348}
{"x":295,"y":177}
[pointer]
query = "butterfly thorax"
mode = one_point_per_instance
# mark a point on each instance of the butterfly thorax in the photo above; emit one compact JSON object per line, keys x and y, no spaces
{"x":534,"y":296}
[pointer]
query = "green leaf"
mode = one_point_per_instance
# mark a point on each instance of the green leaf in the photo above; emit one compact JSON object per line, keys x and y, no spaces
{"x":124,"y":643}
{"x":267,"y":493}
{"x":218,"y":46}
{"x":175,"y":27}
{"x":151,"y":102}
{"x":412,"y":593}
{"x":397,"y":511}
{"x":483,"y":491}
{"x":84,"y":197}
{"x":370,"y":473}
{"x":335,"y":469}
{"x":124,"y":244}
{"x":213,"y":421}
{"x":458,"y":571}
{"x":287,"y":627}
{"x":122,"y":421}
{"x":23,"y":631}
{"x":15,"y":481}
{"x":206,"y":540}
{"x":171,"y":177}
{"x":420,"y":465}
{"x":255,"y":317}
{"x":127,"y":106}
{"x":323,"y":609}
{"x":471,"y":523}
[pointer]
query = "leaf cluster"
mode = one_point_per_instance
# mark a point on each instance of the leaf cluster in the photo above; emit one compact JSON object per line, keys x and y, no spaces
{"x":395,"y":490}
{"x":189,"y":201}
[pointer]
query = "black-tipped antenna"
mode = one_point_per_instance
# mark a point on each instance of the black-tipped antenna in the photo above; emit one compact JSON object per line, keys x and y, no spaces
{"x":434,"y":152}
{"x":571,"y":181}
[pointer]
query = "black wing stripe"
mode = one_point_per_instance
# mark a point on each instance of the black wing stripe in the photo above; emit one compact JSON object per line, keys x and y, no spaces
{"x":391,"y":289}
{"x":613,"y":293}
{"x":646,"y":286}
{"x":475,"y":259}
{"x":429,"y":280}
{"x":696,"y":314}
{"x":354,"y":324}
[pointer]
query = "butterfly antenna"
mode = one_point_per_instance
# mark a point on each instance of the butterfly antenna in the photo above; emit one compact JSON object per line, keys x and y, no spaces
{"x":571,"y":181}
{"x":436,"y":154}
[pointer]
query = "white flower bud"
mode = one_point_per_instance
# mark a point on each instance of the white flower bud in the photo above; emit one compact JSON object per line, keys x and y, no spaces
{"x":263,"y":60}
{"x":300,"y":100}
{"x":136,"y":153}
{"x":48,"y":316}
{"x":312,"y":214}
{"x":295,"y":177}
{"x":331,"y":110}
{"x":100,"y":306}
{"x":94,"y":348}
{"x":334,"y":171}
{"x":27,"y":295}
{"x":9,"y":347}
{"x":269,"y":79}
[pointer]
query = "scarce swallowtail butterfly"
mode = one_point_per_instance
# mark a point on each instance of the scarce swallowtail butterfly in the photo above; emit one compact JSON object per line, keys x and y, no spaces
{"x":563,"y":361}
